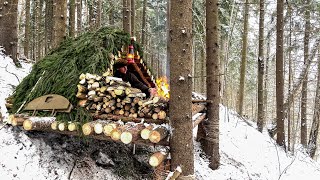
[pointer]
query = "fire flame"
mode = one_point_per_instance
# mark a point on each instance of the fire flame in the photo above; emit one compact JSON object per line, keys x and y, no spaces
{"x":163,"y":87}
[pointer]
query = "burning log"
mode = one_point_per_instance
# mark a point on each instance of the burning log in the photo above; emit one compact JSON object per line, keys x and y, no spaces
{"x":158,"y":134}
{"x":38,"y":123}
{"x":157,"y":158}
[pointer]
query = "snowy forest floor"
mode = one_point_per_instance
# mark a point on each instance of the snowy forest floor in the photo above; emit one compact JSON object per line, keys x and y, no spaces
{"x":245,"y":152}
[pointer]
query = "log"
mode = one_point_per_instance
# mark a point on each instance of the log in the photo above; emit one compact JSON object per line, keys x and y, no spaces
{"x":87,"y":128}
{"x":50,"y":120}
{"x":17,"y":121}
{"x":54,"y":125}
{"x":201,"y":101}
{"x":131,"y":133}
{"x":145,"y":133}
{"x":99,"y":126}
{"x":158,"y":134}
{"x":72,"y":126}
{"x":107,"y":129}
{"x":196,"y":108}
{"x":116,"y":133}
{"x":199,"y":119}
{"x":128,"y":119}
{"x":81,"y":88}
{"x":162,"y":115}
{"x":175,"y":174}
{"x":61,"y":126}
{"x":38,"y":123}
{"x":157,"y":158}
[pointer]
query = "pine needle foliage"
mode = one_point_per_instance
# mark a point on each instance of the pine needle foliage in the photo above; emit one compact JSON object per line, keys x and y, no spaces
{"x":58,"y":72}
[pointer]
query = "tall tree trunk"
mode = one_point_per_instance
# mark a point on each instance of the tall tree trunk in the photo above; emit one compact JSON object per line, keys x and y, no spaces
{"x":304,"y":96}
{"x":314,"y":131}
{"x":92,"y":17}
{"x":72,"y":20}
{"x":99,"y":10}
{"x":39,"y":30}
{"x":126,"y":16}
{"x":133,"y":14}
{"x":79,"y":17}
{"x":8,"y":28}
{"x":290,"y":81}
{"x":111,"y":16}
{"x":213,"y":90}
{"x":60,"y":15}
{"x":144,"y":19}
{"x":261,"y":121}
{"x":181,"y":87}
{"x":27,"y":30}
{"x":49,"y":23}
{"x":279,"y":74}
{"x":243,"y":58}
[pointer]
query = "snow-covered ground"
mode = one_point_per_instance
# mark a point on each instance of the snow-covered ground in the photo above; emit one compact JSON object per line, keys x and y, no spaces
{"x":245,"y":153}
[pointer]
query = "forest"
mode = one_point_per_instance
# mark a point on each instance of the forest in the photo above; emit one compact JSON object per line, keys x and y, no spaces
{"x":259,"y":58}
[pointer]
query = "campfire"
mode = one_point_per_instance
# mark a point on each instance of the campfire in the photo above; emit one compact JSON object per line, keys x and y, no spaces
{"x":163,"y":88}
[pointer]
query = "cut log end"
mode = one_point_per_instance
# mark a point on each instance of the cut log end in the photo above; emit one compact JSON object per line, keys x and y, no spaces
{"x":98,"y":128}
{"x":108,"y":128}
{"x":145,"y":133}
{"x":153,"y":161}
{"x":54,"y":125}
{"x":87,"y":129}
{"x":61,"y":126}
{"x":72,"y":126}
{"x":27,"y":125}
{"x":155,"y":136}
{"x":115,"y":134}
{"x":126,"y":137}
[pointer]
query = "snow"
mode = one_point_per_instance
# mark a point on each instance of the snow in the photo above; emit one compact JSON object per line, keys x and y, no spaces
{"x":245,"y":152}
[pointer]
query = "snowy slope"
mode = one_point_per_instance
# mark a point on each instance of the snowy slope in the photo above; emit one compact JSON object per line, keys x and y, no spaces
{"x":245,"y":153}
{"x":248,"y":154}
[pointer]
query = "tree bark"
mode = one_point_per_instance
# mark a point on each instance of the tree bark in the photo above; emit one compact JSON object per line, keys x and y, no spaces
{"x":279,"y":75}
{"x":180,"y":53}
{"x":79,"y":17}
{"x":304,"y":95}
{"x":72,"y":18}
{"x":60,"y":15}
{"x":133,"y":14}
{"x":8,"y":28}
{"x":314,"y":130}
{"x":213,"y":90}
{"x":99,"y":13}
{"x":144,"y":19}
{"x":49,"y":23}
{"x":111,"y":16}
{"x":126,"y":16}
{"x":261,"y":121}
{"x":27,"y":30}
{"x":243,"y":58}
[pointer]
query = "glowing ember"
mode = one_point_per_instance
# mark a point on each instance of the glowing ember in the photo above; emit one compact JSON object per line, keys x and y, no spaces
{"x":163,"y":87}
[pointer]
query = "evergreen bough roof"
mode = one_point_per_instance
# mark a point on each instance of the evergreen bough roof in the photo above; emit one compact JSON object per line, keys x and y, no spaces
{"x":60,"y":69}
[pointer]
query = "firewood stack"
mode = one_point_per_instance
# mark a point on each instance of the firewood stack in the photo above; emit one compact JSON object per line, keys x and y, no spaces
{"x":110,"y":95}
